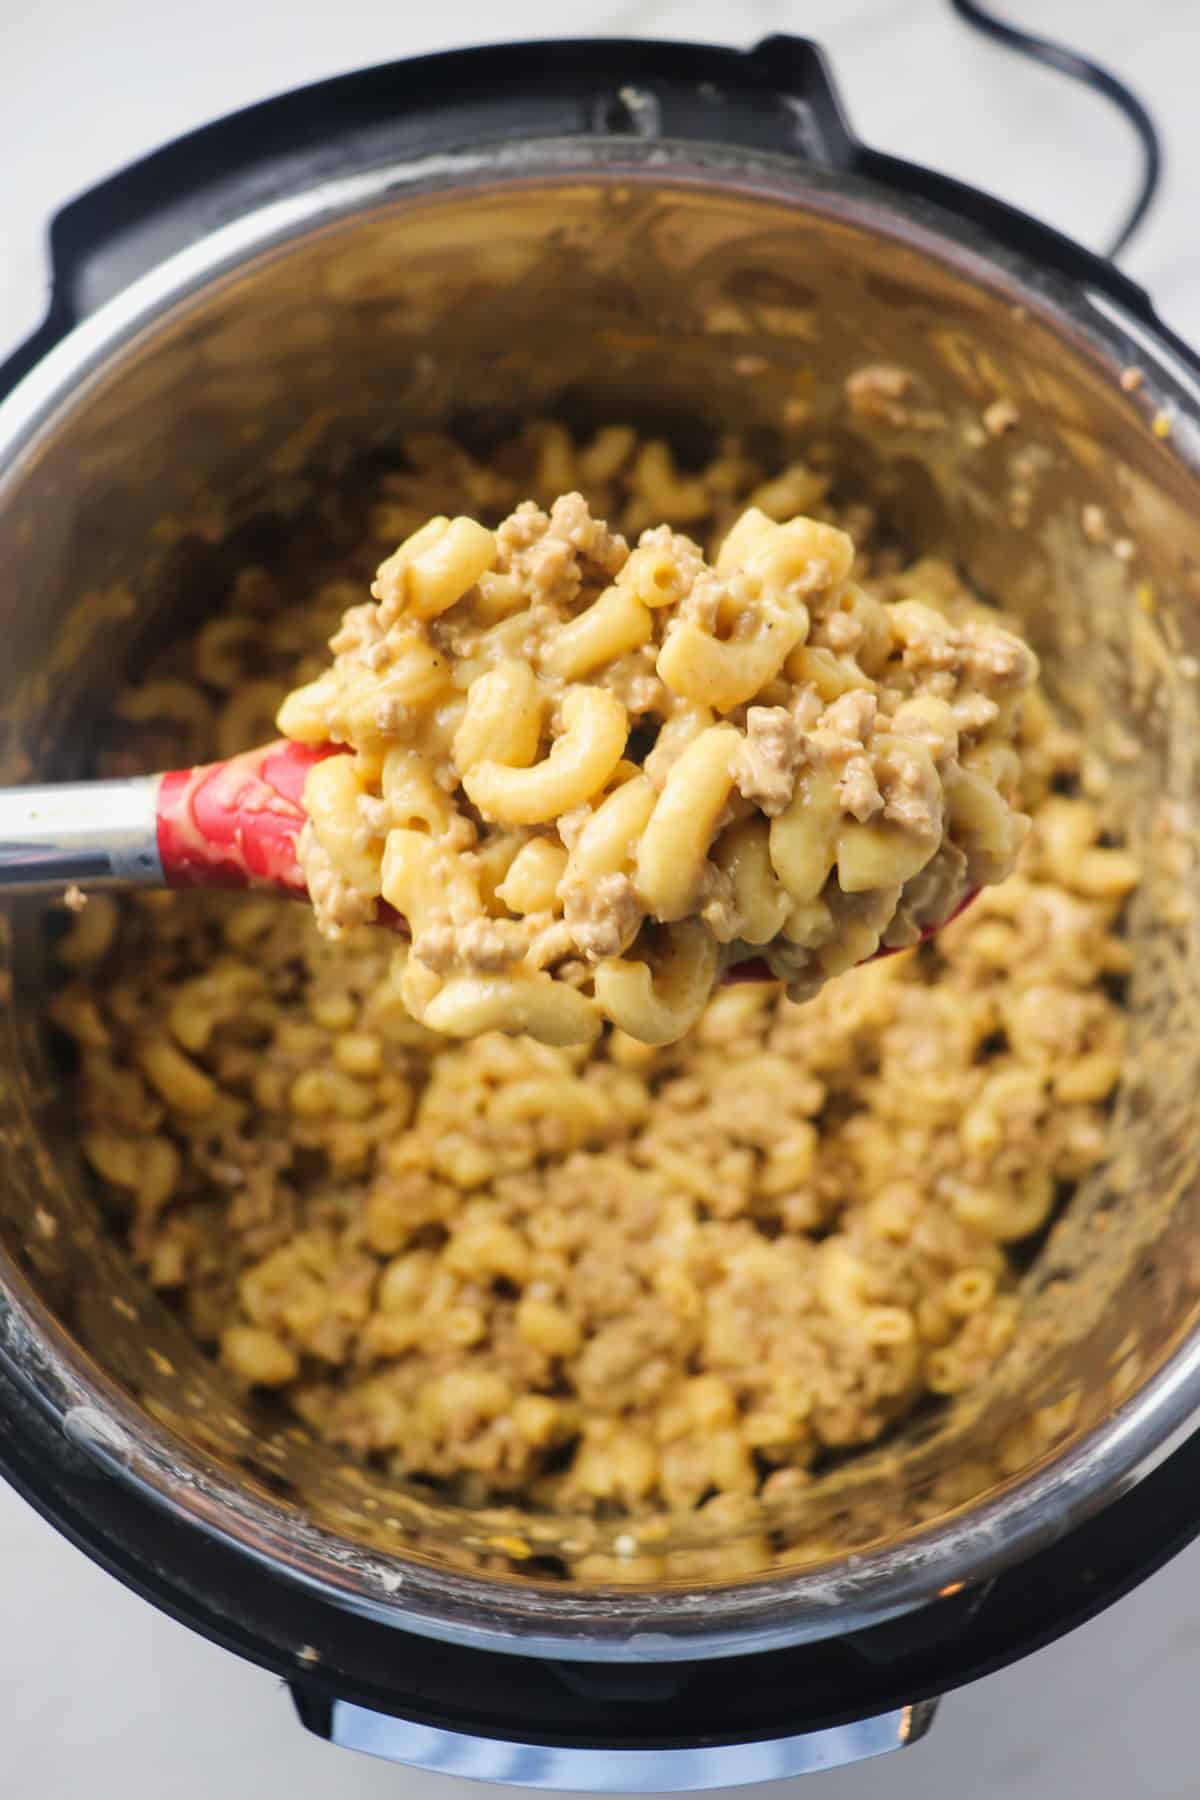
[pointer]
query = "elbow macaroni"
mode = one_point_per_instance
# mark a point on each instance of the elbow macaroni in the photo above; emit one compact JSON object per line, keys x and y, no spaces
{"x":656,"y":1276}
{"x":554,"y":747}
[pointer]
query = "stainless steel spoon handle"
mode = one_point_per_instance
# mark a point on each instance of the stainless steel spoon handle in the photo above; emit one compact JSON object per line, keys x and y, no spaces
{"x":95,"y":834}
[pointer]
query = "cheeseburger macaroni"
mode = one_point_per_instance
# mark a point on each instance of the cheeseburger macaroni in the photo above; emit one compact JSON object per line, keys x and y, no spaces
{"x":591,"y":779}
{"x":619,"y":1278}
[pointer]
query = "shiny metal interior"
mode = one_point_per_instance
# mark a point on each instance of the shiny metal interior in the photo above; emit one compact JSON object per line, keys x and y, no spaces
{"x":698,"y":291}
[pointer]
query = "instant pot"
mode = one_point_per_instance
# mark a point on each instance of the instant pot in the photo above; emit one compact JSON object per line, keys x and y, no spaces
{"x":691,"y":239}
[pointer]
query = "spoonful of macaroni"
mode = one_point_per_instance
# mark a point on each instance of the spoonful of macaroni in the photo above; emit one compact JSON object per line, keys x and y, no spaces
{"x":592,"y":782}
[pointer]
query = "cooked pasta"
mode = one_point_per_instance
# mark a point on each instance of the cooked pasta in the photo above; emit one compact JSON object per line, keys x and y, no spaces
{"x":752,"y":759}
{"x":609,"y":1277}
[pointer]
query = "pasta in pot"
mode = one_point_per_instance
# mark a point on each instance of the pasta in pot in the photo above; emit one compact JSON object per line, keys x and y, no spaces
{"x":510,"y":675}
{"x":616,"y":1276}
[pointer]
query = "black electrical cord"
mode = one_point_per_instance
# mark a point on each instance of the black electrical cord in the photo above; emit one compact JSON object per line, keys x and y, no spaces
{"x":1091,"y":75}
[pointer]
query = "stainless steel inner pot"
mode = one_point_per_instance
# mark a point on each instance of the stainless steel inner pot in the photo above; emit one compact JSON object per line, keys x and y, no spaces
{"x":699,"y":290}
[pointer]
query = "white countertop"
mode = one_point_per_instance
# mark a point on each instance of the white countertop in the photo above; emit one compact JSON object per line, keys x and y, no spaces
{"x":100,"y":1696}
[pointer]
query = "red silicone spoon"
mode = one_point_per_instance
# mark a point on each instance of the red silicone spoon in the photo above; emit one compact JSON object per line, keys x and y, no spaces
{"x":226,"y":824}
